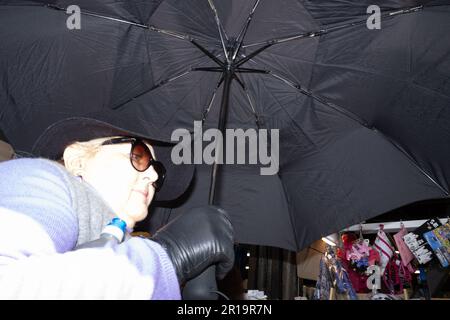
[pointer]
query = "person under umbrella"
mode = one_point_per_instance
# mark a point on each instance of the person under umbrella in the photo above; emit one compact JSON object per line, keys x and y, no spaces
{"x":362,"y":113}
{"x":53,"y":217}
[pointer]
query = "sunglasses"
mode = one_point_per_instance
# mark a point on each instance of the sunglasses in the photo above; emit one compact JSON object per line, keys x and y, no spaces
{"x":141,"y":158}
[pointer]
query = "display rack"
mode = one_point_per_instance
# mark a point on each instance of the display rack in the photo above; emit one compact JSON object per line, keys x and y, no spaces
{"x":392,"y":226}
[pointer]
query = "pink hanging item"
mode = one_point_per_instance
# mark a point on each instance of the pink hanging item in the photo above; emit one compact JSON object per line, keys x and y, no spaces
{"x":405,"y":254}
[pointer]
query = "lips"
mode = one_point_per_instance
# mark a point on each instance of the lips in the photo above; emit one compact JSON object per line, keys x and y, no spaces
{"x":144,"y":193}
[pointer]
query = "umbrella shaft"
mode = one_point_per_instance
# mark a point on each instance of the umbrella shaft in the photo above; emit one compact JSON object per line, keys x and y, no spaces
{"x":228,"y":77}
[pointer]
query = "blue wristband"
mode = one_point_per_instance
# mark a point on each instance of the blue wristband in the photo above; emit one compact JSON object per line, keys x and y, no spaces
{"x":116,"y":228}
{"x":122,"y":225}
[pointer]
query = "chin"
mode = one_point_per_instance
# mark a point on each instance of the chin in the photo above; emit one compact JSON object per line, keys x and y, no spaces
{"x":142,"y":215}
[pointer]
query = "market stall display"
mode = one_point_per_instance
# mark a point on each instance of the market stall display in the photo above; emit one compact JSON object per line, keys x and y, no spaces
{"x":385,"y":267}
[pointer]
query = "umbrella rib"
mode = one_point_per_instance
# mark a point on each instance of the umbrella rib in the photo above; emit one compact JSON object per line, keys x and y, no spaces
{"x":189,"y":38}
{"x":361,"y":122}
{"x":156,"y":86}
{"x":253,"y":54}
{"x":221,"y":29}
{"x":250,"y":70}
{"x":280,"y":104}
{"x":247,"y":94}
{"x":345,"y":112}
{"x":207,"y":53}
{"x":175,"y":34}
{"x":321,"y":32}
{"x":213,"y":97}
{"x":411,"y":159}
{"x":171,"y":33}
{"x":208,"y":69}
{"x":244,"y":30}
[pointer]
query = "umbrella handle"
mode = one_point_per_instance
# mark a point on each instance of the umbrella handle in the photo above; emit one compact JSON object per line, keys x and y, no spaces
{"x":203,"y":287}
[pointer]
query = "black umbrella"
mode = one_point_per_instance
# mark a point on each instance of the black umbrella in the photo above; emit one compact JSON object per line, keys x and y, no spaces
{"x":363,"y":114}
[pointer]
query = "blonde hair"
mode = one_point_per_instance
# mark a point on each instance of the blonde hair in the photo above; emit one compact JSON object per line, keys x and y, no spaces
{"x":85,"y":149}
{"x":89,"y":148}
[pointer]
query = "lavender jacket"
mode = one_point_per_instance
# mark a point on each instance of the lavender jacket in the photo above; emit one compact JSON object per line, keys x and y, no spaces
{"x":44,"y":213}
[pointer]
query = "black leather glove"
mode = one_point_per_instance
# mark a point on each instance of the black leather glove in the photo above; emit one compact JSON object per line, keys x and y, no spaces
{"x":197,"y":239}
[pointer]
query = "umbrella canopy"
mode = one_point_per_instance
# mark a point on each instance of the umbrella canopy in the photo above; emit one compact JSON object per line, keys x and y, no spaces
{"x":363,"y":114}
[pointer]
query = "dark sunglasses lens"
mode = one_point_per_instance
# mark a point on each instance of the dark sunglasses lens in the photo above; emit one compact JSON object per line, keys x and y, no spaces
{"x":141,"y":159}
{"x":161,"y":171}
{"x":140,"y":156}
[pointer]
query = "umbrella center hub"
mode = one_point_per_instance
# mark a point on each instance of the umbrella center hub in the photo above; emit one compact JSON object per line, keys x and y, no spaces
{"x":231,"y":45}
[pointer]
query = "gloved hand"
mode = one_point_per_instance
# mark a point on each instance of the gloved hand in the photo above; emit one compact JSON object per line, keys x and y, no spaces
{"x":197,"y":239}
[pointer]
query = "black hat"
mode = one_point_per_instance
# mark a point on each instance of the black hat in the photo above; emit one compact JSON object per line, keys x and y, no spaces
{"x":58,"y":136}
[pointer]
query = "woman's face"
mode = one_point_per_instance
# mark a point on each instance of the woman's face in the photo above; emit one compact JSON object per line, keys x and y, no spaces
{"x":128,"y":191}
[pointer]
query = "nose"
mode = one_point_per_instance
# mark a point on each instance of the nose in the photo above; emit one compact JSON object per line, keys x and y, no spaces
{"x":150,"y":175}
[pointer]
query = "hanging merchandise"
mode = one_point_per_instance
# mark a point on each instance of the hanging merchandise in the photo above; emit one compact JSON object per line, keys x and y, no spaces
{"x":358,"y":255}
{"x":347,"y":243}
{"x":343,"y":283}
{"x":418,"y":248}
{"x":374,"y":257}
{"x":345,"y":254}
{"x":439,"y":241}
{"x":405,"y":254}
{"x":333,"y":278}
{"x":418,"y":245}
{"x":396,"y":276}
{"x":384,"y":248}
{"x":324,"y":282}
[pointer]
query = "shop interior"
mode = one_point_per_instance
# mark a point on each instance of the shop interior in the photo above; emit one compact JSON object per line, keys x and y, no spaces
{"x":401,"y":255}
